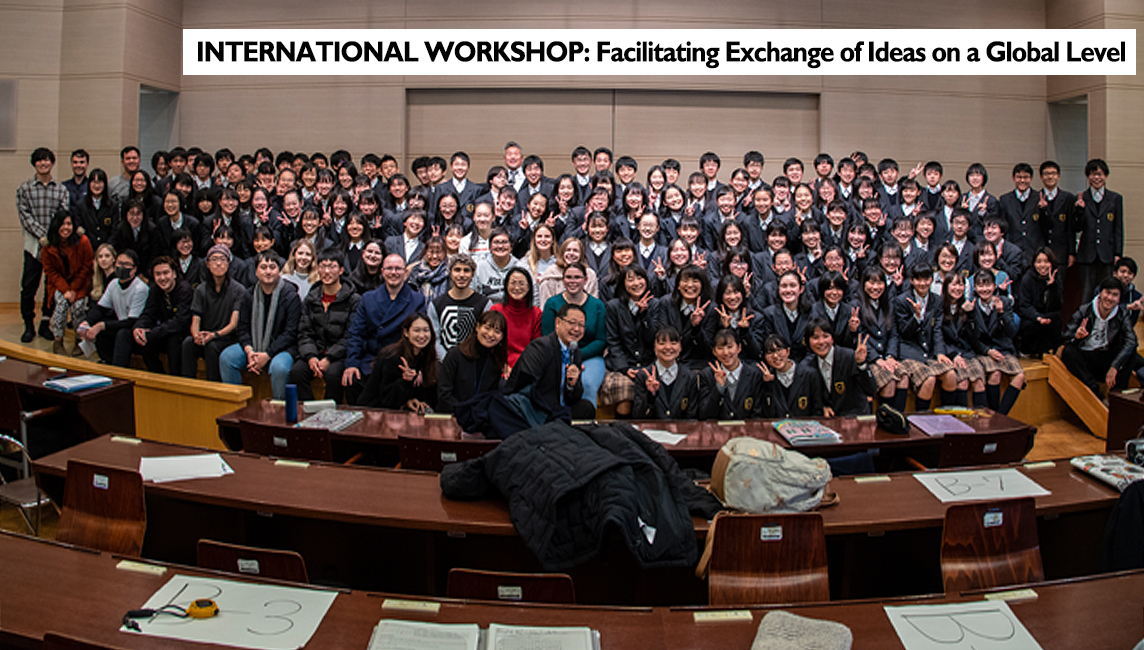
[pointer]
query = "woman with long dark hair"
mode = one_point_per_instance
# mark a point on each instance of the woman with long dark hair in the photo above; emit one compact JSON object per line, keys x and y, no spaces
{"x":476,"y":365}
{"x":405,"y":373}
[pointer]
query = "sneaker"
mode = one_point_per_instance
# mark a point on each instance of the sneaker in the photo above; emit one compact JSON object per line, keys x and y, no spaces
{"x":76,"y":351}
{"x":29,"y":334}
{"x":58,"y":346}
{"x":46,"y":331}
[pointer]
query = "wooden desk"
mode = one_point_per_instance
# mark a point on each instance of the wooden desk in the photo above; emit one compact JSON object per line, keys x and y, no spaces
{"x":1125,"y":417}
{"x":380,"y":429}
{"x":342,"y":518}
{"x":97,"y":410}
{"x":53,"y":588}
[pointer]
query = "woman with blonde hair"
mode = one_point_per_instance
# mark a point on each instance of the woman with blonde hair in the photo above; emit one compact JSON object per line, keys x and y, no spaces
{"x":300,"y":270}
{"x":103,"y":270}
{"x":551,"y":281}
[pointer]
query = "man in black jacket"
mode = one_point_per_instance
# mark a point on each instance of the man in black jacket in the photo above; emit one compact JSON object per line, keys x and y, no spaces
{"x":1101,"y":341}
{"x":166,"y":318}
{"x":326,"y":313}
{"x":551,"y":367}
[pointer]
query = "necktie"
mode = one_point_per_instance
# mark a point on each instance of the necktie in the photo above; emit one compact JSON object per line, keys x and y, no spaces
{"x":566,"y":358}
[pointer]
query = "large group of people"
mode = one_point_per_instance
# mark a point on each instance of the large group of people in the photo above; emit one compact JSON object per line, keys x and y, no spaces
{"x":680,"y":297}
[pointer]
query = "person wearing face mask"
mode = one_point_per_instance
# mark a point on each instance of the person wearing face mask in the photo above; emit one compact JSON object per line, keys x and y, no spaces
{"x":110,"y":322}
{"x":326,"y":313}
{"x":166,"y":318}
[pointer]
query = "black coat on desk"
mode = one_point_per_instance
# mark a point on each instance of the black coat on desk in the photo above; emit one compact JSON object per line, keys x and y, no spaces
{"x":746,"y":403}
{"x":681,"y":400}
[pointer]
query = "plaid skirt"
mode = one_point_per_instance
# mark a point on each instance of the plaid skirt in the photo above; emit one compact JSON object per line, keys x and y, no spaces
{"x":881,"y":376}
{"x":920,"y":371}
{"x":1009,"y":365}
{"x":617,"y":387}
{"x":971,"y":372}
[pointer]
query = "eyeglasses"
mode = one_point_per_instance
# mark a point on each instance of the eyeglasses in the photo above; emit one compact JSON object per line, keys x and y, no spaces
{"x":574,"y":324}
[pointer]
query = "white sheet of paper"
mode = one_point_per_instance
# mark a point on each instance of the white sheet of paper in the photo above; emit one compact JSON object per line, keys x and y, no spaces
{"x":664,"y":437}
{"x":976,"y":485}
{"x":393,"y":634}
{"x":513,"y":637}
{"x":161,"y":469}
{"x":260,"y":617}
{"x":984,"y":625}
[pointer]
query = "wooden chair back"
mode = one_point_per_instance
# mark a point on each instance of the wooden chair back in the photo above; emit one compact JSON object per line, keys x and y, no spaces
{"x":990,"y":544}
{"x":970,"y":449}
{"x":473,"y":584}
{"x":252,"y":561}
{"x":284,"y":441}
{"x":10,"y":407}
{"x":104,"y":508}
{"x":433,"y":454}
{"x":768,"y":559}
{"x":53,"y":641}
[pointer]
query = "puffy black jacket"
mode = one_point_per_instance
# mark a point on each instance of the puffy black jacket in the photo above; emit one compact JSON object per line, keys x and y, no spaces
{"x":322,"y":332}
{"x":567,"y":486}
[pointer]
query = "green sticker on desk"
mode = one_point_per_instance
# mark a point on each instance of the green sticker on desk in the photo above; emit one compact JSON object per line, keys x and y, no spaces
{"x":410,"y":605}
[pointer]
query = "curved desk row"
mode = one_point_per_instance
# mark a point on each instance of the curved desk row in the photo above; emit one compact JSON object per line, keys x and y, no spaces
{"x":77,"y":593}
{"x":392,"y":530}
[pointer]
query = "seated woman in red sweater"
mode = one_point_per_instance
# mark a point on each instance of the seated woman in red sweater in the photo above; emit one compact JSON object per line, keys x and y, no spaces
{"x":523,"y":317}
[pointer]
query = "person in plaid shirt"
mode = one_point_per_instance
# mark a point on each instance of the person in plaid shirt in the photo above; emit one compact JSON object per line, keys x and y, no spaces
{"x":37,"y":200}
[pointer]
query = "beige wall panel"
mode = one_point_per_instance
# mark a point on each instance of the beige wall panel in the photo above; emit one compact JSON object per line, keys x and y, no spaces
{"x":202,"y":14}
{"x":38,"y":104}
{"x":1063,"y":14}
{"x":357,"y":118}
{"x":547,"y":123}
{"x":619,"y":15}
{"x":153,"y":50}
{"x":95,"y":43}
{"x":170,"y":11}
{"x":652,"y":126}
{"x":978,"y":14}
{"x":30,"y":38}
{"x":953,"y":130}
{"x":89,"y":116}
{"x":1098,"y":125}
{"x":1058,"y":88}
{"x":901,"y":88}
{"x":1126,"y":139}
{"x":287,"y":84}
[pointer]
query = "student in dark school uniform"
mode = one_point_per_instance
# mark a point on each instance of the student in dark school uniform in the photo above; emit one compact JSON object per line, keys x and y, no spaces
{"x":598,"y":201}
{"x":734,"y":388}
{"x":753,"y":162}
{"x":409,"y":244}
{"x":846,"y":385}
{"x":977,"y":200}
{"x":597,"y":251}
{"x":893,"y":273}
{"x":887,"y":186}
{"x":626,"y":168}
{"x":859,"y":253}
{"x":535,"y":182}
{"x":835,"y":225}
{"x":1099,"y":219}
{"x":834,"y":259}
{"x":685,"y":310}
{"x":758,"y":224}
{"x":930,"y":193}
{"x":1010,"y":257}
{"x":909,"y":206}
{"x":877,"y":231}
{"x":724,"y":212}
{"x":663,"y":278}
{"x":697,"y":203}
{"x":1039,"y":303}
{"x":847,"y":173}
{"x":561,"y":204}
{"x":767,"y":294}
{"x":959,"y":239}
{"x":790,"y":314}
{"x":876,"y":316}
{"x":802,"y":206}
{"x":917,"y":317}
{"x":959,"y":331}
{"x":1055,"y":207}
{"x":191,"y":268}
{"x":809,"y":261}
{"x":1130,"y":298}
{"x":732,"y":311}
{"x":823,"y":170}
{"x":834,"y":309}
{"x":790,"y":389}
{"x":667,"y":389}
{"x":945,"y":263}
{"x":730,"y":238}
{"x":995,"y":329}
{"x":582,"y":180}
{"x":649,"y":252}
{"x":1019,"y":210}
{"x":764,"y":260}
{"x":709,"y":164}
{"x":943,"y":214}
{"x":626,"y":223}
{"x":902,"y":236}
{"x":630,"y":339}
{"x":924,"y":226}
{"x":689,"y":231}
{"x":623,"y":255}
{"x":671,"y":212}
{"x":793,"y":171}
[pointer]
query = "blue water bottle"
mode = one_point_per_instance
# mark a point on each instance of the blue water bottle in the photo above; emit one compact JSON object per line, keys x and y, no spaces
{"x":291,"y":403}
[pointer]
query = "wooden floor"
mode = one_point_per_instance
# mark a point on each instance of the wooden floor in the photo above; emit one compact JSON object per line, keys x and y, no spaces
{"x":1058,"y":439}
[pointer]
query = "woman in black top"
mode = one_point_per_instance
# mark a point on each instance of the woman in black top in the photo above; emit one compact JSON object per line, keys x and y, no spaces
{"x":405,"y":373}
{"x":1039,"y":302}
{"x":97,"y":212}
{"x":476,"y":365}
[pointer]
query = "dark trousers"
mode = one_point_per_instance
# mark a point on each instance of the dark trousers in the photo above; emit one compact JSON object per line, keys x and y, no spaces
{"x":115,"y":347}
{"x":170,"y":345}
{"x":1091,"y":366}
{"x":301,"y":376}
{"x":1091,"y":275}
{"x":29,"y":285}
{"x":209,"y":353}
{"x":1040,"y":339}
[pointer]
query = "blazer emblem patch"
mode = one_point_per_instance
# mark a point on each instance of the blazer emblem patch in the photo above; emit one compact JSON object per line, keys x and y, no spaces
{"x":802,"y":402}
{"x":749,"y":403}
{"x":840,"y":387}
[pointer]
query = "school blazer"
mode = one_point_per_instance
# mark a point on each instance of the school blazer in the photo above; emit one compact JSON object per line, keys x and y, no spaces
{"x":466,"y":199}
{"x":750,"y":337}
{"x":775,"y":322}
{"x":840,"y":324}
{"x":883,"y":340}
{"x":748,"y":401}
{"x":1057,"y":222}
{"x":396,"y":244}
{"x":631,"y":339}
{"x":598,"y":263}
{"x":755,"y":233}
{"x":546,"y":187}
{"x":960,"y":336}
{"x":659,"y":252}
{"x":1023,"y":217}
{"x":1013,"y":260}
{"x":918,"y":341}
{"x":803,"y":398}
{"x":696,"y":350}
{"x":995,"y":330}
{"x":1101,"y":228}
{"x":849,"y":384}
{"x":680,"y":401}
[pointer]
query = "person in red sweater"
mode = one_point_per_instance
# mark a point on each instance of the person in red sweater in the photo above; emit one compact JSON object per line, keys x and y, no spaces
{"x":523,"y":317}
{"x":67,"y":261}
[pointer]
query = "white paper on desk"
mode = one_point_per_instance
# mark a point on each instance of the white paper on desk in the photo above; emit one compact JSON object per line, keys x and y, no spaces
{"x":984,"y":625}
{"x":393,"y":634}
{"x":664,"y":437}
{"x":256,"y":616}
{"x":976,"y":485}
{"x":514,"y":637}
{"x":162,"y":469}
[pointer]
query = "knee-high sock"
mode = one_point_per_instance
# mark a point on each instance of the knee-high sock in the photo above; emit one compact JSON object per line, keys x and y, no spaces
{"x":921,"y":404}
{"x":959,"y":397}
{"x":1008,"y":399}
{"x":993,"y":395}
{"x":947,"y":397}
{"x":900,"y":396}
{"x":978,"y":399}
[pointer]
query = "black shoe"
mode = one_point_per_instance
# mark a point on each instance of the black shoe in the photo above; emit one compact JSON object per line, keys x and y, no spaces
{"x":46,"y":331}
{"x":29,"y":334}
